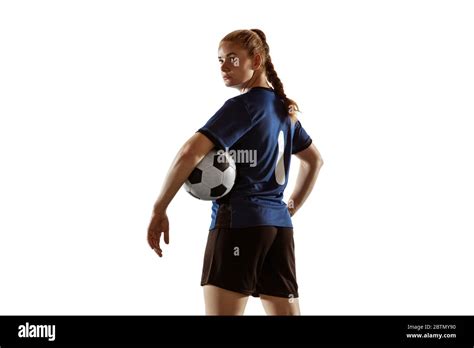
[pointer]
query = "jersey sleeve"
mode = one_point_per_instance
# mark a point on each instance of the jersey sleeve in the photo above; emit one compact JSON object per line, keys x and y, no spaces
{"x":228,"y":124}
{"x":301,"y":139}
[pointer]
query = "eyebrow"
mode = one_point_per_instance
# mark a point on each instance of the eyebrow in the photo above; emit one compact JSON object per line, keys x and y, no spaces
{"x":228,"y":54}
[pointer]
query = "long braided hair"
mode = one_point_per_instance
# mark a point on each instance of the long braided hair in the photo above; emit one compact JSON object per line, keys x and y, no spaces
{"x":255,"y":42}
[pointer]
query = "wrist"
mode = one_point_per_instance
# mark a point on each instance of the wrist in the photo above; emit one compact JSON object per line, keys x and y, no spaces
{"x":291,"y":203}
{"x":291,"y":206}
{"x":159,"y":207}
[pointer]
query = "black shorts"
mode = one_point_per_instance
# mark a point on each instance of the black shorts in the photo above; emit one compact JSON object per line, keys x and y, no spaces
{"x":253,"y":260}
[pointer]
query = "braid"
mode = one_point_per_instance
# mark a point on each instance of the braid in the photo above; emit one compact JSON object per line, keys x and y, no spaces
{"x":254,"y":42}
{"x":273,"y":78}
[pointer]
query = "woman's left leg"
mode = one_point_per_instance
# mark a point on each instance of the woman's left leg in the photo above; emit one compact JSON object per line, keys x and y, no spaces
{"x":274,"y":305}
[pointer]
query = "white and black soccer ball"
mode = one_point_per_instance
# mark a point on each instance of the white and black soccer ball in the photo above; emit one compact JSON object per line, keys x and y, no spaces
{"x":213,"y":177}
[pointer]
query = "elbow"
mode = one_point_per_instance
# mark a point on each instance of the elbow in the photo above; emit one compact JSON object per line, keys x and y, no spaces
{"x":319,"y":162}
{"x":318,"y":159}
{"x":316,"y":166}
{"x":311,"y":158}
{"x":315,"y":163}
{"x":312,"y":166}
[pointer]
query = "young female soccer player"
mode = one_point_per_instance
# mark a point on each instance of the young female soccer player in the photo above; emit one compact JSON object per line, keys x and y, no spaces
{"x":250,"y":247}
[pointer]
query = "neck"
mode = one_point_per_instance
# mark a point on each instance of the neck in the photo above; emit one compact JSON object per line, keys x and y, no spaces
{"x":259,"y":80}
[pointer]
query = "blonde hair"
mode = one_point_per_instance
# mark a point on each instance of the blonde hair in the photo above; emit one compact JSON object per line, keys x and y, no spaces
{"x":254,"y":42}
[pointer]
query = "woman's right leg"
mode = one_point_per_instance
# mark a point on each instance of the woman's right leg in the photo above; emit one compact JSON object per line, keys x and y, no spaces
{"x":219,"y":301}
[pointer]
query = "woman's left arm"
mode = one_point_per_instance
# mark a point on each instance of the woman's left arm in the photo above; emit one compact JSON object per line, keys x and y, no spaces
{"x":190,"y":154}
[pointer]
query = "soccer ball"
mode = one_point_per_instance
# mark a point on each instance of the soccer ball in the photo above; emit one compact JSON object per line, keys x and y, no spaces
{"x":213,"y":177}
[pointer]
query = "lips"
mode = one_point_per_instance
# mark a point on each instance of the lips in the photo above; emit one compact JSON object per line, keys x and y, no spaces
{"x":226,"y":77}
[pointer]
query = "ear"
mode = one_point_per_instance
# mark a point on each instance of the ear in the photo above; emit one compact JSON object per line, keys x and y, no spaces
{"x":257,"y":61}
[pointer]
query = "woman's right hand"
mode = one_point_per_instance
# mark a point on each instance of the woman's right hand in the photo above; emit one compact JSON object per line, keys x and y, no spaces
{"x":159,"y":224}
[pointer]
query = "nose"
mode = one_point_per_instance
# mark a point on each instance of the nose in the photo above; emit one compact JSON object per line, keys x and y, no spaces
{"x":225,"y":66}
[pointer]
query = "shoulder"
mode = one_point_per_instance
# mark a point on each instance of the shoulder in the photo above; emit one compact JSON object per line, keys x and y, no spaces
{"x":295,"y":122}
{"x":238,"y":104}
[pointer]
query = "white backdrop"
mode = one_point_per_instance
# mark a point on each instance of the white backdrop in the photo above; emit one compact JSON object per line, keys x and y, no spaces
{"x":96,"y":97}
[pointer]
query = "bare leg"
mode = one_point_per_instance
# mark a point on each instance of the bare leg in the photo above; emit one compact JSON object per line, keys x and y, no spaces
{"x":220,"y":301}
{"x":280,"y":305}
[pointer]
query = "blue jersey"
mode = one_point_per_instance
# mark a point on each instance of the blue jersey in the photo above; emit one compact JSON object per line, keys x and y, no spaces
{"x":258,"y":133}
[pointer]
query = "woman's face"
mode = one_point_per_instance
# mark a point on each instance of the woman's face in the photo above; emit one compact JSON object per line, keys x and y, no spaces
{"x":236,"y":65}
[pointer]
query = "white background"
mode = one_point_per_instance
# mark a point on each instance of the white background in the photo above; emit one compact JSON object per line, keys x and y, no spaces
{"x":96,"y":97}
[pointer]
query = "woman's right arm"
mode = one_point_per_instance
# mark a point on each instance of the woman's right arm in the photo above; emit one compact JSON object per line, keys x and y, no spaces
{"x":190,"y":154}
{"x":310,"y":164}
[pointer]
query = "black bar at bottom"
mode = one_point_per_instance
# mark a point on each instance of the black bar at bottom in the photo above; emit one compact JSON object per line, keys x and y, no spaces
{"x":223,"y":330}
